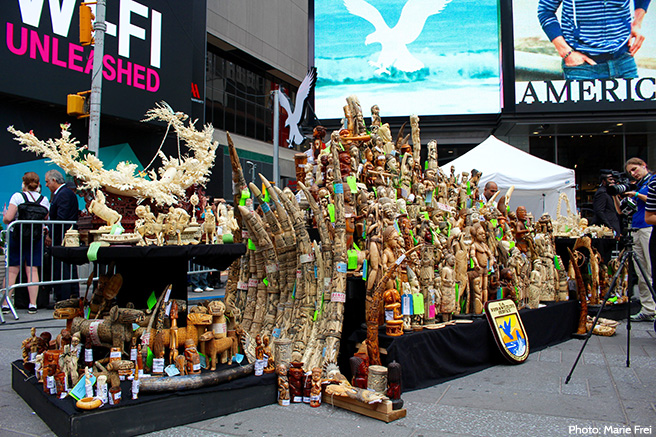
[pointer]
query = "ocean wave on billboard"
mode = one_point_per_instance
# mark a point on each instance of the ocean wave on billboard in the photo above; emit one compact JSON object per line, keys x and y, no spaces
{"x":444,"y":69}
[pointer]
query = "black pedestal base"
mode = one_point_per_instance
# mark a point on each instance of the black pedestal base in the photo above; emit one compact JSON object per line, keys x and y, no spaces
{"x":148,"y":413}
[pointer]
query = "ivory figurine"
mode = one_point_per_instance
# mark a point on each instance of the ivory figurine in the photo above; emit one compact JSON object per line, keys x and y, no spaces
{"x":448,"y":291}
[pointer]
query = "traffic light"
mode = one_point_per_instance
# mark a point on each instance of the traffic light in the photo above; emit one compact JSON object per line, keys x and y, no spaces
{"x":86,"y":27}
{"x":77,"y":105}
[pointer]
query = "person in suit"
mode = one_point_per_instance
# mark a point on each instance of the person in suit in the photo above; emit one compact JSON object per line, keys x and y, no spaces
{"x":63,"y":206}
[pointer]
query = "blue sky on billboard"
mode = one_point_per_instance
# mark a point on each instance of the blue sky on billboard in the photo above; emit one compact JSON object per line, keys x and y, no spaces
{"x":452,"y":67}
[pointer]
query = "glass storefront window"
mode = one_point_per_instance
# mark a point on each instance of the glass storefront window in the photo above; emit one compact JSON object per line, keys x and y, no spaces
{"x":238,"y":97}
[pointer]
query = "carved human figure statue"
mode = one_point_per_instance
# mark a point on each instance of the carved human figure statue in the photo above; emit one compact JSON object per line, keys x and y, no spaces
{"x":521,"y":229}
{"x":483,"y":261}
{"x":283,"y":384}
{"x":448,"y":290}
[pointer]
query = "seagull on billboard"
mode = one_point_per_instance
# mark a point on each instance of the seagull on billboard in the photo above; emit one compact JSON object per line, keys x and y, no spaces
{"x":294,"y":118}
{"x":394,"y":40}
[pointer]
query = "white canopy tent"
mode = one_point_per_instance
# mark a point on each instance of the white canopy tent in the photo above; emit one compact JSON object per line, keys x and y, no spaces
{"x":538,"y":183}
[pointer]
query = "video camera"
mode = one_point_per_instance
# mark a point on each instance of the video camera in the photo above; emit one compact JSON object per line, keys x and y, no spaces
{"x":622,"y":182}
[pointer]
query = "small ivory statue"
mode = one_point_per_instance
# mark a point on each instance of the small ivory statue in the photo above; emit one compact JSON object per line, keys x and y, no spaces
{"x":98,"y":208}
{"x":192,"y":357}
{"x":27,"y":347}
{"x":296,"y":374}
{"x":101,"y":388}
{"x":270,"y":365}
{"x":194,"y":200}
{"x":209,"y":226}
{"x":88,"y":385}
{"x":448,"y":290}
{"x":283,"y":384}
{"x":315,"y":391}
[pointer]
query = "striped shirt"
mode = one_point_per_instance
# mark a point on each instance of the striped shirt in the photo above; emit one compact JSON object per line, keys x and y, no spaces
{"x":651,"y":197}
{"x":593,"y":27}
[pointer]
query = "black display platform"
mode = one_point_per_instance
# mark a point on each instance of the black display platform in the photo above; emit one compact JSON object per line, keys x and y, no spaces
{"x":150,"y":412}
{"x":430,"y":357}
{"x":151,"y":268}
{"x":616,"y":311}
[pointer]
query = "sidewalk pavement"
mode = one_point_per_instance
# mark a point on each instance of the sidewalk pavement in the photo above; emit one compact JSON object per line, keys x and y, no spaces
{"x":603,"y":397}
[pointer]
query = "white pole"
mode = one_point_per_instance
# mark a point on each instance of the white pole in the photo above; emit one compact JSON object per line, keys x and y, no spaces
{"x":276,"y":137}
{"x":96,"y":78}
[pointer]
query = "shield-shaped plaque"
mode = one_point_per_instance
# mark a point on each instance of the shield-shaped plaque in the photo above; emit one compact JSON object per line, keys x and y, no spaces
{"x":508,"y":330}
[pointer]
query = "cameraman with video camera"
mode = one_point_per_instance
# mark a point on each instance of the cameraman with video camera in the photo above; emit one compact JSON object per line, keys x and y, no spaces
{"x":604,"y":205}
{"x":637,"y":169}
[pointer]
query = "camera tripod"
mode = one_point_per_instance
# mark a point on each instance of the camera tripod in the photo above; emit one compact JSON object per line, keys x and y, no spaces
{"x":627,"y":255}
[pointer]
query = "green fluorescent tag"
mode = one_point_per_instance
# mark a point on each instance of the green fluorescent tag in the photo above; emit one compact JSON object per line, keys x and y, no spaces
{"x":266,"y":281}
{"x":117,"y":229}
{"x":251,"y":245}
{"x":350,"y":180}
{"x":418,"y":303}
{"x":245,"y":194}
{"x":92,"y":252}
{"x":352,"y":259}
{"x":331,"y":212}
{"x":152,"y":301}
{"x":149,"y":358}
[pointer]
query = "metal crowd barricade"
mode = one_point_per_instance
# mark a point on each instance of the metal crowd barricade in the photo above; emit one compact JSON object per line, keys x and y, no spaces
{"x":46,"y":271}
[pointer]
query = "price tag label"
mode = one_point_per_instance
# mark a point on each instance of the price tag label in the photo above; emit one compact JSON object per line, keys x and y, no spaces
{"x":337,"y":296}
{"x":244,"y":234}
{"x":299,"y":274}
{"x":115,"y":355}
{"x":241,"y":285}
{"x":88,"y":355}
{"x":170,"y":370}
{"x":271,"y":268}
{"x":306,"y":258}
{"x":133,"y":354}
{"x":158,"y":365}
{"x":219,"y":328}
{"x":406,"y":305}
{"x":400,"y":259}
{"x":196,"y":367}
{"x":341,"y":267}
{"x":252,"y":283}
